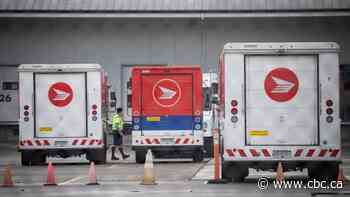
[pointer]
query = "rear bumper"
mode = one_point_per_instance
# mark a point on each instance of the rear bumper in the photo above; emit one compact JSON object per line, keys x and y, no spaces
{"x":268,"y":153}
{"x":60,"y":143}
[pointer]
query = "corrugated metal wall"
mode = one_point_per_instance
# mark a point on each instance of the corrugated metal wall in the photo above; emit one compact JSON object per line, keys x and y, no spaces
{"x":113,"y":43}
{"x":171,"y":5}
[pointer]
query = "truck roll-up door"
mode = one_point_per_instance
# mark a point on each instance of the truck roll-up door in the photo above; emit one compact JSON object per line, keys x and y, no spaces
{"x":167,"y":103}
{"x":60,"y":105}
{"x":281,"y":100}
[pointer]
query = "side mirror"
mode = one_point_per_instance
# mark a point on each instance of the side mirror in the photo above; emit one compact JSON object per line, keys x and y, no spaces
{"x":215,"y":99}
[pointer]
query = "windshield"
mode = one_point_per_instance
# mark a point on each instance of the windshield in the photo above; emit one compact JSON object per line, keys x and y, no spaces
{"x":206,"y":96}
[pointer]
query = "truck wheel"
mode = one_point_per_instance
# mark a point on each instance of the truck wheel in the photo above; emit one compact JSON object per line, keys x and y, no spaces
{"x":140,"y":156}
{"x":324,"y":171}
{"x":98,"y":156}
{"x":198,"y":156}
{"x":33,"y":158}
{"x":234,"y":172}
{"x":26,"y":158}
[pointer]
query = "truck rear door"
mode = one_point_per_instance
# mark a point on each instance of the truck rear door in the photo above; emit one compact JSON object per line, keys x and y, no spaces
{"x":167,"y":104}
{"x":281,"y":100}
{"x":60,"y":105}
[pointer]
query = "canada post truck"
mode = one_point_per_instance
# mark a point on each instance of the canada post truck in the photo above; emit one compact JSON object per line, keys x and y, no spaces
{"x":279,"y":103}
{"x":61,"y":111}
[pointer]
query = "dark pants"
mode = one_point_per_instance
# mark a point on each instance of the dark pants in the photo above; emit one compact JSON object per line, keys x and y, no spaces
{"x":117,"y":139}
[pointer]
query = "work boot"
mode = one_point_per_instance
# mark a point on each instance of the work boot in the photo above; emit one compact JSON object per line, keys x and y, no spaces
{"x":125,"y":156}
{"x":113,"y":154}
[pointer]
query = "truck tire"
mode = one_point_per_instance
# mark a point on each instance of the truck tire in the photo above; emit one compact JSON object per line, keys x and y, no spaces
{"x":234,"y":172}
{"x":324,"y":171}
{"x":33,"y":158}
{"x":198,"y":156}
{"x":140,"y":156}
{"x":98,"y":156}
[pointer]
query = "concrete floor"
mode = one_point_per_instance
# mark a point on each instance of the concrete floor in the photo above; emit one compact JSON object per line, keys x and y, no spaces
{"x":177,"y":177}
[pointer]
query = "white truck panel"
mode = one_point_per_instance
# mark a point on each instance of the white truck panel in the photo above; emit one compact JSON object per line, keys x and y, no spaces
{"x":94,"y":98}
{"x":292,"y":122}
{"x":60,"y":121}
{"x":26,"y":97}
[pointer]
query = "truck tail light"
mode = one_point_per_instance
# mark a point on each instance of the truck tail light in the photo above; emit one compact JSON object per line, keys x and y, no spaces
{"x":329,"y":111}
{"x":26,"y":113}
{"x":329,"y":103}
{"x":234,"y":103}
{"x":94,"y":112}
{"x":234,"y":119}
{"x":234,"y":111}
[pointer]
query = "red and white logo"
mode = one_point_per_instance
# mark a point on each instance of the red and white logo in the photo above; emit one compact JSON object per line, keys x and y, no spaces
{"x":60,"y":94}
{"x":281,"y":84}
{"x":166,"y":92}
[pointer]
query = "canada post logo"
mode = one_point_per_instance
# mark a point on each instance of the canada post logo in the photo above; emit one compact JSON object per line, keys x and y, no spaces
{"x":60,"y":94}
{"x":166,"y":92}
{"x":281,"y":84}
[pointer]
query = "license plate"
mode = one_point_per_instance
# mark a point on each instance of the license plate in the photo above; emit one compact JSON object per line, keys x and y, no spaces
{"x":60,"y":143}
{"x":282,"y":154}
{"x":167,"y":140}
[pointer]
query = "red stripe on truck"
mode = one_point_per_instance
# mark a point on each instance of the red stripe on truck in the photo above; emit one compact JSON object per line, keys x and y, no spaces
{"x":298,"y":153}
{"x":242,"y":153}
{"x":38,"y":142}
{"x":91,"y":142}
{"x":83,"y":142}
{"x":266,"y":153}
{"x":230,"y":153}
{"x":322,"y":153}
{"x":310,"y":152}
{"x":46,"y":143}
{"x":75,"y":142}
{"x":254,"y":153}
{"x":334,"y":152}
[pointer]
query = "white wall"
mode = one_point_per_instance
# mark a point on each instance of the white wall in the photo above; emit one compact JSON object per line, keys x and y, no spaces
{"x":113,"y":42}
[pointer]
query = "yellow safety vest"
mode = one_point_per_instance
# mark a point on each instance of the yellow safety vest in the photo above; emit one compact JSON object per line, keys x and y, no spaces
{"x":117,"y":122}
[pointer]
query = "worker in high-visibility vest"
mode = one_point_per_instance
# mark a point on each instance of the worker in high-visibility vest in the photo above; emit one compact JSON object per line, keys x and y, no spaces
{"x":117,"y":132}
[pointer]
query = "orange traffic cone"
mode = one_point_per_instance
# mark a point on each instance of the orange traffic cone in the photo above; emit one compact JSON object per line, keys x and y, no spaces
{"x":149,"y":174}
{"x":340,"y":176}
{"x":51,"y":180}
{"x":92,"y":174}
{"x":8,"y":177}
{"x":279,"y":172}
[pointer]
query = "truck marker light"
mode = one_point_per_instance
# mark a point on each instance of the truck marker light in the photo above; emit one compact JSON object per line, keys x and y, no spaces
{"x":234,"y":103}
{"x":329,"y":119}
{"x":94,"y":112}
{"x":136,"y":120}
{"x":197,"y":126}
{"x":94,"y":106}
{"x":136,"y":127}
{"x":329,"y":111}
{"x":234,"y":119}
{"x":26,"y":119}
{"x":329,"y":103}
{"x":26,"y":107}
{"x":26,"y":113}
{"x":94,"y":118}
{"x":197,"y":119}
{"x":234,"y":111}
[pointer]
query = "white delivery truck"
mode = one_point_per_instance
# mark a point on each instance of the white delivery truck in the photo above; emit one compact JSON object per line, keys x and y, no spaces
{"x":61,"y":111}
{"x":209,"y":85}
{"x":279,"y":102}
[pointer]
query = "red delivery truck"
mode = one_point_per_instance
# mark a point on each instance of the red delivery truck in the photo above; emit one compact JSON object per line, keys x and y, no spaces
{"x":167,"y":112}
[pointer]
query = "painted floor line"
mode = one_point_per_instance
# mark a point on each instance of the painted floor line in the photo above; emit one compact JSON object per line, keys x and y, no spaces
{"x":72,"y":180}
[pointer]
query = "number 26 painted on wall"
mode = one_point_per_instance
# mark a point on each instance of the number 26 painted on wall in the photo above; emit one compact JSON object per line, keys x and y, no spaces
{"x":5,"y":98}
